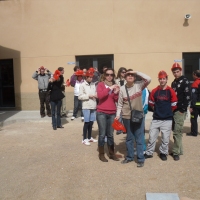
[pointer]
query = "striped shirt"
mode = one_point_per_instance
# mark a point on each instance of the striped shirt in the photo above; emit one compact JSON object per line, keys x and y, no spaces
{"x":135,"y":94}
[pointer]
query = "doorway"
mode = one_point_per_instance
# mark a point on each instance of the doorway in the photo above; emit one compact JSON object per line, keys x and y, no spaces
{"x":7,"y":94}
{"x":191,"y":62}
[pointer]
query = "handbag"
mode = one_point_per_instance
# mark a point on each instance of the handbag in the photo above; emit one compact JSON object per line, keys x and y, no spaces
{"x":136,"y":115}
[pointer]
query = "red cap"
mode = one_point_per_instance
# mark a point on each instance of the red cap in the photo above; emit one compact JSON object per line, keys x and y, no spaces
{"x":79,"y":73}
{"x":56,"y":75}
{"x":118,"y":126}
{"x":162,"y":74}
{"x":42,"y":68}
{"x":176,"y":66}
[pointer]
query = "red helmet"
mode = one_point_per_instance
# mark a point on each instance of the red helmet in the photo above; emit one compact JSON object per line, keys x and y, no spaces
{"x":176,"y":66}
{"x":89,"y":73}
{"x":118,"y":126}
{"x":162,"y":74}
{"x":91,"y":69}
{"x":56,"y":75}
{"x":79,"y":73}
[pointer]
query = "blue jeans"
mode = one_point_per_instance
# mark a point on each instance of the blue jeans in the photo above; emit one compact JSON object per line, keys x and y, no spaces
{"x":104,"y":122}
{"x":77,"y":105}
{"x":55,"y":108}
{"x":135,"y":131}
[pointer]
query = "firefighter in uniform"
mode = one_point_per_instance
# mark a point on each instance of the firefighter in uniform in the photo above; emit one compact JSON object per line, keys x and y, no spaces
{"x":195,"y":103}
{"x":181,"y":86}
{"x":43,"y":81}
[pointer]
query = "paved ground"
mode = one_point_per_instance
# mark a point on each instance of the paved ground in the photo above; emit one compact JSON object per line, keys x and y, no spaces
{"x":38,"y":163}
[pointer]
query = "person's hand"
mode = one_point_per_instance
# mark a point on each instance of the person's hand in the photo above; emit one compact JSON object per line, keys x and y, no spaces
{"x":38,"y":69}
{"x":91,"y":96}
{"x":117,"y":117}
{"x":191,"y":110}
{"x":51,"y":80}
{"x":116,"y":89}
{"x":113,"y":86}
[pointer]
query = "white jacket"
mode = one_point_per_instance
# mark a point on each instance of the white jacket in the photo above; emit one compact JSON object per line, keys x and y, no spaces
{"x":85,"y":91}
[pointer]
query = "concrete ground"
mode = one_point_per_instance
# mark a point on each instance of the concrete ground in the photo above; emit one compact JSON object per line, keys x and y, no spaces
{"x":38,"y":163}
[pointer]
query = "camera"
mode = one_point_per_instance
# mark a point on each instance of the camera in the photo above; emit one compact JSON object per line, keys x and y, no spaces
{"x":187,"y":16}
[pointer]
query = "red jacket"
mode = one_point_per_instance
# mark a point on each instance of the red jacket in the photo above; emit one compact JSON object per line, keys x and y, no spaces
{"x":107,"y":99}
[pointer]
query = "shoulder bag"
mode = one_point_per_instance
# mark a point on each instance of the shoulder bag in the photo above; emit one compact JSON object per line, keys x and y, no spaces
{"x":136,"y":115}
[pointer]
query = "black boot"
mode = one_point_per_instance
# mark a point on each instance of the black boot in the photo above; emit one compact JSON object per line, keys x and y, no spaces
{"x":111,"y":153}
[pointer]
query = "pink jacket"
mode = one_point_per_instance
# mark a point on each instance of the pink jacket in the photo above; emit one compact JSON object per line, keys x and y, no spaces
{"x":107,"y":99}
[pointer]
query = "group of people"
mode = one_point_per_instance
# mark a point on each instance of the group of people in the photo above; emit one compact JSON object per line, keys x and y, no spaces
{"x":105,"y":98}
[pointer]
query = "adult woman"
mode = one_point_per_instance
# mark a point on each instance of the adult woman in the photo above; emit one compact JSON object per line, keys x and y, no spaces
{"x":56,"y":96}
{"x":87,"y":94}
{"x":134,"y":130}
{"x":120,"y":80}
{"x":107,"y":92}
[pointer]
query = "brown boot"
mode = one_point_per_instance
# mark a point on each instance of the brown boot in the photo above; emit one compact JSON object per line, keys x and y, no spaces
{"x":101,"y":154}
{"x":112,"y":154}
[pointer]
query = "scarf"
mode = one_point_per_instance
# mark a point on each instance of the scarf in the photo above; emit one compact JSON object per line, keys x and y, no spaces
{"x":108,"y":83}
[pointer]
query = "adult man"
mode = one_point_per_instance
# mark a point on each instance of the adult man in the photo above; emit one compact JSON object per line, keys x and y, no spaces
{"x":181,"y":86}
{"x":43,"y":80}
{"x":63,"y":106}
{"x":101,"y":76}
{"x":163,"y":101}
{"x":73,"y":77}
{"x":96,"y":76}
{"x":195,"y":103}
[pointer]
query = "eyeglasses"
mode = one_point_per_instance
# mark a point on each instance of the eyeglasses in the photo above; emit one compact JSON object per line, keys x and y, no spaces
{"x":132,"y":75}
{"x":110,"y":75}
{"x":123,"y":72}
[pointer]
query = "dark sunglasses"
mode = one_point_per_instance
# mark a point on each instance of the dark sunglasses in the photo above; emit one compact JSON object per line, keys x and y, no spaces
{"x":132,"y":75}
{"x":110,"y":75}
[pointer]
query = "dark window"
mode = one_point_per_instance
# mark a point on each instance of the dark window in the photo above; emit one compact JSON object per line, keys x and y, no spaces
{"x":191,"y":62}
{"x":95,"y":61}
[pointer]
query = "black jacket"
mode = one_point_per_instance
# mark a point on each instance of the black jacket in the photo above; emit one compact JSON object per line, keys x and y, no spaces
{"x":55,"y":89}
{"x":195,"y":94}
{"x":181,"y":86}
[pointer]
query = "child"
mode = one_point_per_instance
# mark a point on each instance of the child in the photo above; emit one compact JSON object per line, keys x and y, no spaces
{"x":87,"y":95}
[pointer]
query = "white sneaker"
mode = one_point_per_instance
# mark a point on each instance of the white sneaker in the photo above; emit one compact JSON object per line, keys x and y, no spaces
{"x":82,"y":118}
{"x":92,"y":140}
{"x":105,"y":139}
{"x":72,"y":118}
{"x":86,"y":142}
